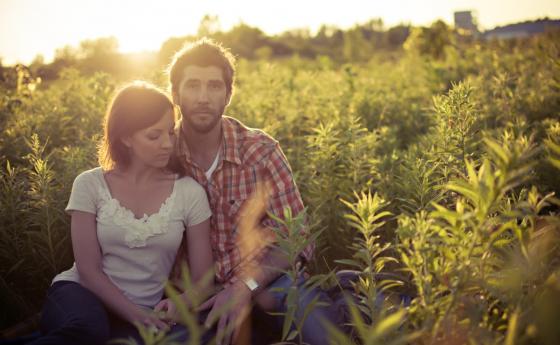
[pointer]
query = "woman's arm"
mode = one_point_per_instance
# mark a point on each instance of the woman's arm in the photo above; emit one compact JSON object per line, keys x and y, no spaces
{"x":87,"y":255}
{"x":200,"y":261}
{"x":199,"y":254}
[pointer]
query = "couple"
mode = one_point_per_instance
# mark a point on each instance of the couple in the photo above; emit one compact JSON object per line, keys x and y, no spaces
{"x":130,"y":215}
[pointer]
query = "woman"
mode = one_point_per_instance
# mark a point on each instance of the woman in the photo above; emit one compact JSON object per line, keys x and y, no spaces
{"x":128,"y":219}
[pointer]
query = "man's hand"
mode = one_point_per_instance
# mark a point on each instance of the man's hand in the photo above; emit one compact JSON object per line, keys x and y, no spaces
{"x":232,"y":305}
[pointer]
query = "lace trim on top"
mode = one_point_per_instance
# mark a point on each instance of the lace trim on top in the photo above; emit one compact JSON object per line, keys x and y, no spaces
{"x":137,"y":230}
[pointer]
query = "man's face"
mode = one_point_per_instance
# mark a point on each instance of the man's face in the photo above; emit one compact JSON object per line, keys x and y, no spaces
{"x":202,"y":97}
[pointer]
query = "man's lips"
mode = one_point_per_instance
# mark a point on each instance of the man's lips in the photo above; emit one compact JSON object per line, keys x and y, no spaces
{"x":202,"y":111}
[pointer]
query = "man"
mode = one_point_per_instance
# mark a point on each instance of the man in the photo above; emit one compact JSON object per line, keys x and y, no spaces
{"x":229,"y":160}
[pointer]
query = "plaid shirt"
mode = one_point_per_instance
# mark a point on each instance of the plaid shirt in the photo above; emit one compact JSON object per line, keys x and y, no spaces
{"x":247,"y":156}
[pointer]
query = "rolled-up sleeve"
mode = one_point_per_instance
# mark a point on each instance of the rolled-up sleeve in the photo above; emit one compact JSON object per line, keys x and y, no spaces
{"x":285,"y":194}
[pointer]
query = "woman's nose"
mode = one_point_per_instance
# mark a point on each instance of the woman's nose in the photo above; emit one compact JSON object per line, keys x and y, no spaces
{"x":168,"y":142}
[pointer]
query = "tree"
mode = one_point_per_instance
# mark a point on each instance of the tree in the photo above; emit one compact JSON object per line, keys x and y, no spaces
{"x":101,"y":54}
{"x":356,"y":46}
{"x":397,"y":35}
{"x":98,"y":48}
{"x":66,"y":55}
{"x":169,"y":48}
{"x":209,"y":26}
{"x":37,"y":64}
{"x":243,"y":40}
{"x":430,"y":41}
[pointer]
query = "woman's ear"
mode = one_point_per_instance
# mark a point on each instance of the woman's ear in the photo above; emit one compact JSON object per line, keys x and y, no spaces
{"x":126,"y":142}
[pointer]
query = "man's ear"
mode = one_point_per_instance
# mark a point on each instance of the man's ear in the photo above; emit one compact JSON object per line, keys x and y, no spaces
{"x":228,"y":98}
{"x":176,"y":107}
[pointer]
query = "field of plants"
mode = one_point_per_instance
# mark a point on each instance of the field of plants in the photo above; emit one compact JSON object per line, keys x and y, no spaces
{"x":436,"y":172}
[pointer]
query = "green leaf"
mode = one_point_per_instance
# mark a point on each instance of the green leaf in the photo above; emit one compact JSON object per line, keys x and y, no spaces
{"x":293,"y":334}
{"x":349,"y":262}
{"x":497,"y":150}
{"x":512,"y":328}
{"x":389,"y":323}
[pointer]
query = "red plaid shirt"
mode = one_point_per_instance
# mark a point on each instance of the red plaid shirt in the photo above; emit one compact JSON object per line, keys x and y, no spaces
{"x":247,"y":156}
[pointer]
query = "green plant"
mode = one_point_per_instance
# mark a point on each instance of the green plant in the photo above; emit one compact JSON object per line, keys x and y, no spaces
{"x":291,"y":243}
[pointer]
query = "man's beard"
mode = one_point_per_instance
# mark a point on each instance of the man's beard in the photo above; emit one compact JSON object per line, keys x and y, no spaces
{"x":188,"y":115}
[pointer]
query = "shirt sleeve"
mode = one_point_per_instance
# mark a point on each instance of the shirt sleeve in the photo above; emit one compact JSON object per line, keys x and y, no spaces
{"x":82,"y":197}
{"x":197,"y":201}
{"x":285,"y":194}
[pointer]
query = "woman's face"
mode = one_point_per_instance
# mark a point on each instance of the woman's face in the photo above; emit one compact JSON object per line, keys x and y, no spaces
{"x":152,"y":146}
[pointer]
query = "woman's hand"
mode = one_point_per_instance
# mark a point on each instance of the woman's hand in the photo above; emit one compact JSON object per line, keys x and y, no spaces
{"x":149,"y":319}
{"x":87,"y":254}
{"x":168,"y":309}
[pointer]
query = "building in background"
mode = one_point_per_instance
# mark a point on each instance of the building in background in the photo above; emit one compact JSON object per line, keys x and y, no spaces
{"x":520,"y":30}
{"x":466,"y":21}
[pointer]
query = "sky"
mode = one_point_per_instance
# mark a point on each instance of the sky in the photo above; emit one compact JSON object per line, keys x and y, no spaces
{"x":32,"y":27}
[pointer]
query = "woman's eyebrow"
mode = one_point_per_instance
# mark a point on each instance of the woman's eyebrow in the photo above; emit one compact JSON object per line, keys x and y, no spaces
{"x":151,"y":130}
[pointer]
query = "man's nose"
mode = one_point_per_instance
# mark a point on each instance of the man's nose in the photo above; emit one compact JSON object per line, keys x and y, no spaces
{"x":203,"y":95}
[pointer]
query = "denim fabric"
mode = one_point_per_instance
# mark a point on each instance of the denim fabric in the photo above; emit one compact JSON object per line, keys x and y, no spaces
{"x":313,"y":330}
{"x":74,"y":315}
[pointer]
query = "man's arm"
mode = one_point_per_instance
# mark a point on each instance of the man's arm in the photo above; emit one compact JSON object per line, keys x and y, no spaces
{"x":276,"y":192}
{"x":281,"y":194}
{"x":270,"y":261}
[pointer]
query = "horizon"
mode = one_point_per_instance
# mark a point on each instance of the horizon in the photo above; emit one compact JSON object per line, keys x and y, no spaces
{"x":70,"y":23}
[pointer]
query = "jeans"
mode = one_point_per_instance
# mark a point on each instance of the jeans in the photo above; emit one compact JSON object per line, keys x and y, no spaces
{"x":313,"y":329}
{"x":74,"y":315}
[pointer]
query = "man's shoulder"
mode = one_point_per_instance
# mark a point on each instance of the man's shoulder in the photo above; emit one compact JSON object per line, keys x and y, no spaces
{"x":247,"y":134}
{"x":253,"y":144}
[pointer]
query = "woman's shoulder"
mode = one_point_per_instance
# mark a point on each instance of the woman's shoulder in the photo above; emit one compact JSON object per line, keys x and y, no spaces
{"x":187,"y":183}
{"x":193,"y":200}
{"x":91,"y":176}
{"x":85,"y":191}
{"x":190,"y":192}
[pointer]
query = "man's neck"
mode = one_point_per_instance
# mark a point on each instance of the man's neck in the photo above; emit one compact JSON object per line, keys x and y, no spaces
{"x":203,"y":147}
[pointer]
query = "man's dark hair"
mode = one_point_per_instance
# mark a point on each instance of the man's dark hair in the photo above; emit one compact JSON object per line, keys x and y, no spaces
{"x":204,"y":52}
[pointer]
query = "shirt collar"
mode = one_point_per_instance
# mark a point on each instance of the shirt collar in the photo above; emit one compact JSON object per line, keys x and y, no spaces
{"x":230,"y":142}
